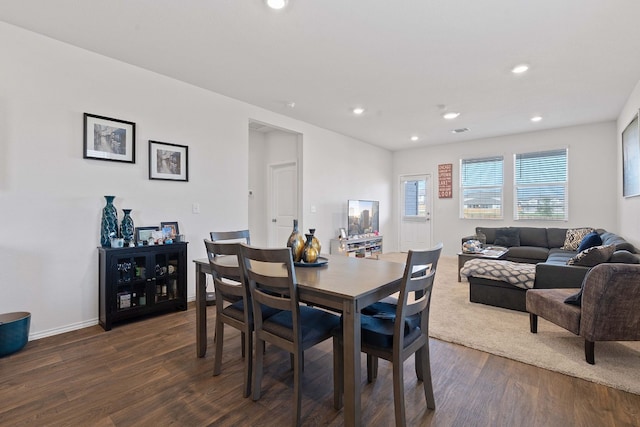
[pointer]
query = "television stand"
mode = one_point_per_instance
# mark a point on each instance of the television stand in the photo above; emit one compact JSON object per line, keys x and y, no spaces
{"x":362,"y":247}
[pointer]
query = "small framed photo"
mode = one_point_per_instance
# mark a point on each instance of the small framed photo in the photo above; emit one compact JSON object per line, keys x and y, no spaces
{"x":109,"y":139}
{"x":143,"y":234}
{"x":168,"y":161}
{"x":343,"y":233}
{"x":170,"y":229}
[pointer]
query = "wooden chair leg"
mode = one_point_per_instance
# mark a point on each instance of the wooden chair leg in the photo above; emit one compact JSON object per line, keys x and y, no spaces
{"x":248,"y":363}
{"x":398,"y":393}
{"x":533,"y":322}
{"x":422,"y":359}
{"x":372,"y":368}
{"x":217,"y":363}
{"x":257,"y":370}
{"x":589,"y":352}
{"x":297,"y":387}
{"x":338,"y":373}
{"x":242,"y":344}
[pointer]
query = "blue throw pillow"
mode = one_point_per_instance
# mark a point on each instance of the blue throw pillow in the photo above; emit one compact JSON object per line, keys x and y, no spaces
{"x":590,"y":240}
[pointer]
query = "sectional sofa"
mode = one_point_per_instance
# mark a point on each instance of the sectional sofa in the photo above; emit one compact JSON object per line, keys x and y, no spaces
{"x":549,"y":249}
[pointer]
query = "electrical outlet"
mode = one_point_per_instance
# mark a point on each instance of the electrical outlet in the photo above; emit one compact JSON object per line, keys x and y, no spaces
{"x":195,"y":208}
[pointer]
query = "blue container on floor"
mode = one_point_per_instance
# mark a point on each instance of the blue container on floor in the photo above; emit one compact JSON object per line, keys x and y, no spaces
{"x":14,"y":332}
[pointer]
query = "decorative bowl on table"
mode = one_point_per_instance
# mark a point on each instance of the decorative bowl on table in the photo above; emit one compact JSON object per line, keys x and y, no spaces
{"x":472,"y":246}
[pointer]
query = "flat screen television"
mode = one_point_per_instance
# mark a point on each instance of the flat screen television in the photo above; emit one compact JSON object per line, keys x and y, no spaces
{"x":363,"y":217}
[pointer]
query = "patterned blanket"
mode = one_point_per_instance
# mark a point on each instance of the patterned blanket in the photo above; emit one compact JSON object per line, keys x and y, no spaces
{"x":515,"y":273}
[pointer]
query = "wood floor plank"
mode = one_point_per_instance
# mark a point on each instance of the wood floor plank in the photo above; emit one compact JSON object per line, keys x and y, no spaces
{"x":145,"y":373}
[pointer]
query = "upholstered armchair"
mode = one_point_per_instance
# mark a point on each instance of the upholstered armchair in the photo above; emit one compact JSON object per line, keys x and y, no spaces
{"x":607,"y":308}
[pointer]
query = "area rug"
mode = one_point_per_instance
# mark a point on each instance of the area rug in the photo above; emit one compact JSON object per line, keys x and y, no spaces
{"x":506,"y":333}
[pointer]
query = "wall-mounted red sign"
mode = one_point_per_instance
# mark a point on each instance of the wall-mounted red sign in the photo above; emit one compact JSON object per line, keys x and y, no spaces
{"x":445,"y":182}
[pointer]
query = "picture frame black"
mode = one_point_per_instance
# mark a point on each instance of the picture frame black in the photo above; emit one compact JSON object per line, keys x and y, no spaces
{"x":169,"y":162}
{"x":142,"y":234}
{"x":110,"y":139}
{"x":631,"y":158}
{"x":175,"y":230}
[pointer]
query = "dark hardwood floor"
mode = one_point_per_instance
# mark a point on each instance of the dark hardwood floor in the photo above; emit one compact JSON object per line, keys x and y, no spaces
{"x":146,"y":373}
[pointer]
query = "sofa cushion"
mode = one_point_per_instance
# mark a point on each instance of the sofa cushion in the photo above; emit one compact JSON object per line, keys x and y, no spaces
{"x":590,"y":240}
{"x":489,"y":232}
{"x":624,"y":257}
{"x":507,"y":237}
{"x":556,"y":237}
{"x":574,"y":237}
{"x":592,"y":256}
{"x":533,"y":236}
{"x":621,"y":244}
{"x":530,"y":254}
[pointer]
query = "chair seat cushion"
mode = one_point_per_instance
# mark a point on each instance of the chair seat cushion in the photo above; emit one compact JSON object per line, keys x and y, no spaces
{"x":549,"y":304}
{"x":316,"y":325}
{"x":236,"y":311}
{"x":386,"y":310}
{"x":377,"y":331}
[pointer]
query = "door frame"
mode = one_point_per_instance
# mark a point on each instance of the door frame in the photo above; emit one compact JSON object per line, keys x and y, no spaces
{"x":429,"y":205}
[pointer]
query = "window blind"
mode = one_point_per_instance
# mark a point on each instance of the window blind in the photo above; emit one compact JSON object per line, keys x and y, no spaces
{"x":541,"y":185}
{"x":481,"y":182}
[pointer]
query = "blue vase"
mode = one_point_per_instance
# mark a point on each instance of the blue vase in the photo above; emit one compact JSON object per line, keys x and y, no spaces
{"x":109,"y":226}
{"x":126,"y":227}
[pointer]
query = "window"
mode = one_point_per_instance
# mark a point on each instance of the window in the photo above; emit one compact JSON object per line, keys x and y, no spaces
{"x":481,"y":188}
{"x":415,"y":197}
{"x":541,"y":185}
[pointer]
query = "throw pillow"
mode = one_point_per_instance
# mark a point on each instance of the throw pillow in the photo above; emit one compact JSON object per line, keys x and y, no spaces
{"x":507,"y":237}
{"x":575,"y":299}
{"x":574,"y":236}
{"x":590,"y":240}
{"x":593,"y":256}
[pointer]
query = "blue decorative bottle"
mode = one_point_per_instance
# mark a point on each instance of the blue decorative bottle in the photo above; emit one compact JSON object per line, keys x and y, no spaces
{"x":109,"y":226}
{"x":126,"y":227}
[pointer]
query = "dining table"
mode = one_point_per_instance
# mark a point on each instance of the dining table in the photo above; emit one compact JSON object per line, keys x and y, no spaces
{"x":342,"y":284}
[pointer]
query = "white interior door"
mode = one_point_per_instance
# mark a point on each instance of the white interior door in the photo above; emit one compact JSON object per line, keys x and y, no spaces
{"x":284,"y":202}
{"x":415,"y":212}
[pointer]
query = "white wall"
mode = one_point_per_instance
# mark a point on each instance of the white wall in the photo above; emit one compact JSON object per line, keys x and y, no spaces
{"x":51,"y":198}
{"x":592,"y":176}
{"x":628,"y":208}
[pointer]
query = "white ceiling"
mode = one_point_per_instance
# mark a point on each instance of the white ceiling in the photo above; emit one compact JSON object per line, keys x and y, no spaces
{"x":401,"y":59}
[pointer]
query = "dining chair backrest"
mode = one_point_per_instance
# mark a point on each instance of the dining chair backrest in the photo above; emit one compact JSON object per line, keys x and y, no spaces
{"x":415,"y":290}
{"x":241,"y":236}
{"x":227,"y":276}
{"x":272,"y":283}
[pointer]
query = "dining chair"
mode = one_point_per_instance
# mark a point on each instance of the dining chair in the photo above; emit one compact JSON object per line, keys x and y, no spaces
{"x":296,"y":328}
{"x":241,"y":236}
{"x":233,"y":304}
{"x":394,"y":332}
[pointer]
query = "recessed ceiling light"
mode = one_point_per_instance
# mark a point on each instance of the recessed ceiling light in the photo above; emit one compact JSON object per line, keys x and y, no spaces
{"x":460,"y":130}
{"x":536,"y":118}
{"x":291,"y":104}
{"x":450,"y":115}
{"x":358,"y":110}
{"x":519,"y":69}
{"x":277,"y":4}
{"x":414,"y":138}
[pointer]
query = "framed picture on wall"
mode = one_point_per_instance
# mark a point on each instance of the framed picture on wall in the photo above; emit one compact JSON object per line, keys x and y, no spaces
{"x":631,"y":158}
{"x":109,"y":139}
{"x":168,"y":161}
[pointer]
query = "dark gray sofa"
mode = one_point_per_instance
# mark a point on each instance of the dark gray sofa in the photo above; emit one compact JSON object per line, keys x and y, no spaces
{"x":542,"y":247}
